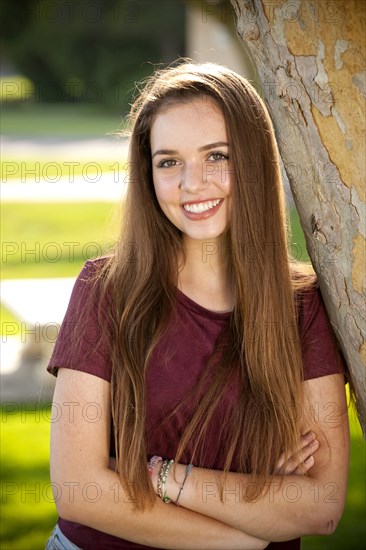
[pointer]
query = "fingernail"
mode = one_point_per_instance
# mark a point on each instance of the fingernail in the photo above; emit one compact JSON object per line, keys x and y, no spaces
{"x":310,"y":435}
{"x":309,"y":460}
{"x":314,"y":443}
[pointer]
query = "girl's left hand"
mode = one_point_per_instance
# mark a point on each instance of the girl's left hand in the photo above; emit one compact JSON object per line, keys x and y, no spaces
{"x":302,"y":460}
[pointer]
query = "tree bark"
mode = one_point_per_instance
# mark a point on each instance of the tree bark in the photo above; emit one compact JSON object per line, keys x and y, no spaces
{"x":310,"y":60}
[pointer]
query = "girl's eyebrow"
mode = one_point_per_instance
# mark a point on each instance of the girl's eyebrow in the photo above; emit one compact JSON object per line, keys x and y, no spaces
{"x":212,"y":145}
{"x":203,"y":148}
{"x":164,"y":152}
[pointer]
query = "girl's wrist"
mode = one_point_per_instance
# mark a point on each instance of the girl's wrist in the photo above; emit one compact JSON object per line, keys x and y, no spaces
{"x":168,"y":478}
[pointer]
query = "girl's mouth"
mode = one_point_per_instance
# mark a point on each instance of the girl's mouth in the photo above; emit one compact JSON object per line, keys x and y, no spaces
{"x":201,"y":210}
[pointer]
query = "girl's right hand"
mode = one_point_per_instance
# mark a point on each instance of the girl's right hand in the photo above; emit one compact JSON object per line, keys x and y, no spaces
{"x":302,"y":460}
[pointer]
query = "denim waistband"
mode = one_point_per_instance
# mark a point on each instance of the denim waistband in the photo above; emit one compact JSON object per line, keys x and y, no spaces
{"x":58,"y":541}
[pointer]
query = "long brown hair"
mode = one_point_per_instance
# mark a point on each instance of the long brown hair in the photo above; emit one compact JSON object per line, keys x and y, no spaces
{"x":262,"y":344}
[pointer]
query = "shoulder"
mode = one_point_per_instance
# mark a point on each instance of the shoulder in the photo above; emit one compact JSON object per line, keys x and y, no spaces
{"x":89,"y":282}
{"x":95,"y":268}
{"x":309,"y":304}
{"x":320,"y":351}
{"x":84,"y":338}
{"x":307,"y":296}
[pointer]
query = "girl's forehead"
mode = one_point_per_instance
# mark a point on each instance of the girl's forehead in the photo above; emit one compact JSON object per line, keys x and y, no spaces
{"x":193,"y":116}
{"x":199,"y":102}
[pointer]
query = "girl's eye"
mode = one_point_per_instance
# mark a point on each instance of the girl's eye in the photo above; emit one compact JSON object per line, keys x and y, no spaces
{"x":218,"y":156}
{"x":168,"y":163}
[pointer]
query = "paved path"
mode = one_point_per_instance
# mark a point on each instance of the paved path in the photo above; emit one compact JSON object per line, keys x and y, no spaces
{"x":37,"y":301}
{"x":54,"y":149}
{"x":110,"y":187}
{"x":92,"y":185}
{"x":39,"y":305}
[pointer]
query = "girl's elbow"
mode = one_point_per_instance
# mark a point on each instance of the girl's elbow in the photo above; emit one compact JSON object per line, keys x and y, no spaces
{"x":331,"y":525}
{"x":327,"y":524}
{"x":68,"y":510}
{"x":68,"y":499}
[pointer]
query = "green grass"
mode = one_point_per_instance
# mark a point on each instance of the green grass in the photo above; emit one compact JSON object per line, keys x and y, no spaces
{"x":28,"y":517}
{"x":58,"y":120}
{"x":351,"y":531}
{"x":53,"y":240}
{"x":7,"y":317}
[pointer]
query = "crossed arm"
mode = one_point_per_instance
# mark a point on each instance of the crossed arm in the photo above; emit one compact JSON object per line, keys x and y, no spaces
{"x":294,"y":505}
{"x":80,"y":456}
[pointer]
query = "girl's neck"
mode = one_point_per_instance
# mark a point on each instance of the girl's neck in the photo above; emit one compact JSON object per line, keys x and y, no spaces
{"x":203,"y":277}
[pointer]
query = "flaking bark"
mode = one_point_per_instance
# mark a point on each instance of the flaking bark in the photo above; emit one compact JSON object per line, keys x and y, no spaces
{"x":310,"y":59}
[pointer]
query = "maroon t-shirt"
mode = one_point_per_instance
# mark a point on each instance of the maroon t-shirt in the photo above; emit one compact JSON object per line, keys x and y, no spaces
{"x":176,"y":364}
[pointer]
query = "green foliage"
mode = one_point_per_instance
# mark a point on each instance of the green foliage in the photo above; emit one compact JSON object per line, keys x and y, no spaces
{"x":298,"y":245}
{"x":27,"y":510}
{"x":91,"y":52}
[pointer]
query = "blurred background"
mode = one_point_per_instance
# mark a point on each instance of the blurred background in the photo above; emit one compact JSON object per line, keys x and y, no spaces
{"x":69,"y":71}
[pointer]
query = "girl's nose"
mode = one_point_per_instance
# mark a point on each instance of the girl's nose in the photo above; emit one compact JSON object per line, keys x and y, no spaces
{"x":193,"y":178}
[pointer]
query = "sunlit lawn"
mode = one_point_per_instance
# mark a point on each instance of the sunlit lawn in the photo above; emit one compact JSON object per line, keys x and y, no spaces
{"x":55,"y":239}
{"x":26,"y":517}
{"x":351,"y":531}
{"x":29,"y":514}
{"x":59,"y":120}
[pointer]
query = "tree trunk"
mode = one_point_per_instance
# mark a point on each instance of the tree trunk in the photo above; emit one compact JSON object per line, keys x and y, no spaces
{"x":310,"y":60}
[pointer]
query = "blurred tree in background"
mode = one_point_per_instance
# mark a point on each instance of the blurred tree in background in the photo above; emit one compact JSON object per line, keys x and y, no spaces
{"x":78,"y":51}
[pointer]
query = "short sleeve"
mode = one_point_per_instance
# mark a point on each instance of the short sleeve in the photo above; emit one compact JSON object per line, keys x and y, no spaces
{"x":83,"y":342}
{"x":320,"y":352}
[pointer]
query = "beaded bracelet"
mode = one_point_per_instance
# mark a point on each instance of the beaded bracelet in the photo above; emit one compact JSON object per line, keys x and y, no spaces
{"x":159,"y":480}
{"x":162,"y":479}
{"x":153,"y":462}
{"x":188,"y":469}
{"x":166,"y":499}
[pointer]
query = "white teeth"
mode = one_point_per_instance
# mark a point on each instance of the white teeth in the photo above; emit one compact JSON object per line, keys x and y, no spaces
{"x":201,"y":206}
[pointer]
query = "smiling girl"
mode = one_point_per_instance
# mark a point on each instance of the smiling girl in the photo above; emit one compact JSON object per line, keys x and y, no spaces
{"x":203,"y":349}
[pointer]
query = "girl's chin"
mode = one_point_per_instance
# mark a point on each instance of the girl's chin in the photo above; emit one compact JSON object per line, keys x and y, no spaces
{"x":202,"y":237}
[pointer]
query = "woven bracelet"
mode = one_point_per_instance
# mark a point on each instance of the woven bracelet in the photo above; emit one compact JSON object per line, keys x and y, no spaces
{"x":160,"y":479}
{"x":188,"y":469}
{"x":163,"y":475}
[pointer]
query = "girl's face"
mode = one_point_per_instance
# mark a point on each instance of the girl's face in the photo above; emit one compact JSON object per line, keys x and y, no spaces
{"x":191,"y":170}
